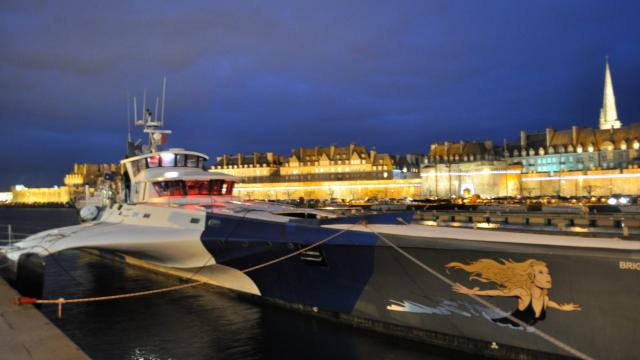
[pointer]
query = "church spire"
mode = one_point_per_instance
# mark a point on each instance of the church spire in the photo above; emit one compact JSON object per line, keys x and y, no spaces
{"x":608,"y":112}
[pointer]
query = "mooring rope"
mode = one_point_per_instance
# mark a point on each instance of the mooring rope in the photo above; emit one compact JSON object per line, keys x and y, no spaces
{"x":61,"y":301}
{"x":482,"y":301}
{"x":545,"y":336}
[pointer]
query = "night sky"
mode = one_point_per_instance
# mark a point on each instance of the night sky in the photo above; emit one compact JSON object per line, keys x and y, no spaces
{"x":248,"y":76}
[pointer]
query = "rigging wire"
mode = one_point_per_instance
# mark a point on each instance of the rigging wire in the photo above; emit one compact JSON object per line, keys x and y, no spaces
{"x":433,"y":272}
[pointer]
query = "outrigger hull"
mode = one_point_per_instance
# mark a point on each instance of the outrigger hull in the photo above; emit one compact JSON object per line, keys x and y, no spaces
{"x":357,"y":277}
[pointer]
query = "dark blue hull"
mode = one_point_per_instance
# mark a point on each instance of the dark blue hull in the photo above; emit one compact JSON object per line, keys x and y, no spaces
{"x":358,"y":278}
{"x":331,"y":276}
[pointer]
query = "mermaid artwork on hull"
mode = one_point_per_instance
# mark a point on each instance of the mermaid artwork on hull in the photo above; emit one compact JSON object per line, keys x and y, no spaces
{"x":528,"y":281}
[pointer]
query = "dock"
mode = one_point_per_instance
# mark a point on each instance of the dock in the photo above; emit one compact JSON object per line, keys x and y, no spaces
{"x":621,"y":224}
{"x":27,"y":334}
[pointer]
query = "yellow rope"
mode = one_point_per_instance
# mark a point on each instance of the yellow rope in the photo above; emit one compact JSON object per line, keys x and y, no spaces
{"x":62,"y":301}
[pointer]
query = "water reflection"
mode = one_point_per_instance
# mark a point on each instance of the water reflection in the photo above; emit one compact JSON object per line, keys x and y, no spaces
{"x":197,"y":323}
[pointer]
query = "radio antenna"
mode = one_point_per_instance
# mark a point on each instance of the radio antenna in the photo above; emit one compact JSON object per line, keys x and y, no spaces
{"x":144,"y":106}
{"x":128,"y":119}
{"x":164,"y":93}
{"x":135,"y":112}
{"x":155,"y":114}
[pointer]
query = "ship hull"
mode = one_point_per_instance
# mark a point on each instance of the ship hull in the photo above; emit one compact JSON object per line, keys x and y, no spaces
{"x":358,"y":277}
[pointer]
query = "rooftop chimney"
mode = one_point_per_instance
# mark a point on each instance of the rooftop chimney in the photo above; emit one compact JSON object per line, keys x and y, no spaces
{"x":549,"y":133}
{"x":523,"y":139}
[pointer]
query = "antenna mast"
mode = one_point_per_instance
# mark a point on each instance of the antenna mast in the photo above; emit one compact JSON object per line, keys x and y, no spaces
{"x":128,"y":119}
{"x":164,"y":92}
{"x":155,"y":114}
{"x":135,"y":112}
{"x":144,"y":106}
{"x":151,"y":122}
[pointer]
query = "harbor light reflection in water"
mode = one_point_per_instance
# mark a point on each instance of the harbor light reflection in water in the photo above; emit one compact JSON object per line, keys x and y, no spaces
{"x":202,"y":322}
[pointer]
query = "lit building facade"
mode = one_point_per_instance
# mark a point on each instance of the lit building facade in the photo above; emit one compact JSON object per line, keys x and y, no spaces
{"x":466,"y":168}
{"x":82,"y":181}
{"x":583,"y":183}
{"x":90,"y":174}
{"x":23,"y":195}
{"x":572,"y":162}
{"x":578,"y":149}
{"x":347,"y":172}
{"x":249,"y":167}
{"x":581,"y":161}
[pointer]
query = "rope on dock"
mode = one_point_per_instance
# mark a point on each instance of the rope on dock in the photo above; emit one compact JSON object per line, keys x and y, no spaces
{"x":433,"y":272}
{"x":60,"y":301}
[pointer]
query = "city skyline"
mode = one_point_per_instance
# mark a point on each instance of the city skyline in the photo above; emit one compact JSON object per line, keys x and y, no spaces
{"x":260,"y":78}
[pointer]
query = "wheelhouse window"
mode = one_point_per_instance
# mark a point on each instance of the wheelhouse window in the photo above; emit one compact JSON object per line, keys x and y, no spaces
{"x":192,"y":161}
{"x":229,"y":189}
{"x":153,"y":161}
{"x":180,"y":160}
{"x":197,"y":187}
{"x":169,"y":188}
{"x":221,"y":187}
{"x":168,"y":159}
{"x":194,"y":187}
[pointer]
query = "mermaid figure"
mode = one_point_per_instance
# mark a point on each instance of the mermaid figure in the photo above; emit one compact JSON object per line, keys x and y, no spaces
{"x":529,"y":281}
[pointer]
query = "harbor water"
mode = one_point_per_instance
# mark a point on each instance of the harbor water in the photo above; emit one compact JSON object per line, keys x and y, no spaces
{"x":201,"y":322}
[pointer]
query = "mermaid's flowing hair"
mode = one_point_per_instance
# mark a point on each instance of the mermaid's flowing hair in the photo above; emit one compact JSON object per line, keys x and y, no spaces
{"x":507,"y":274}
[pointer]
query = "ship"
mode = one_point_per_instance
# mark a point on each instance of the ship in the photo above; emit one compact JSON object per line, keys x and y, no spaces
{"x":491,"y":293}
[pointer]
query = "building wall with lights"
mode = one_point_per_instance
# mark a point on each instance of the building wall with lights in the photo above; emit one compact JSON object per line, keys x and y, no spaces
{"x":89,"y":174}
{"x":94,"y":176}
{"x":463,"y":179}
{"x":246,"y":167}
{"x":85,"y":178}
{"x":610,"y":146}
{"x":582,"y":183}
{"x":577,"y":149}
{"x":348,"y":172}
{"x":348,"y":189}
{"x":22,"y":195}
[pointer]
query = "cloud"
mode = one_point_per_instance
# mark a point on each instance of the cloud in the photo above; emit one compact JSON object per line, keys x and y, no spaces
{"x":275,"y":75}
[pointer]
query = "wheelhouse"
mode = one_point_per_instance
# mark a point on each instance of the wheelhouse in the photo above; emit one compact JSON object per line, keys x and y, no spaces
{"x":176,"y":174}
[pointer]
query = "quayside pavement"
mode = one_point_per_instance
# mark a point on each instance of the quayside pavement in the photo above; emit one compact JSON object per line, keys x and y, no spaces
{"x":27,"y":334}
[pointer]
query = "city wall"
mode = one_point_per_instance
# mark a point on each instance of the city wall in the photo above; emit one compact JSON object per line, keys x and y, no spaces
{"x":582,"y":183}
{"x":331,"y":189}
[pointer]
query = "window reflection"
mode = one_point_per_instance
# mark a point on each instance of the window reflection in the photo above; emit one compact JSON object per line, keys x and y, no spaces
{"x":180,"y":160}
{"x":194,"y":187}
{"x":153,"y":161}
{"x":192,"y":161}
{"x":197,"y":187}
{"x":168,"y":159}
{"x":169,"y":188}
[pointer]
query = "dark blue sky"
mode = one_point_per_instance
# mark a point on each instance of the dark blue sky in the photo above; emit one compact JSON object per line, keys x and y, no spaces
{"x":274,"y":75}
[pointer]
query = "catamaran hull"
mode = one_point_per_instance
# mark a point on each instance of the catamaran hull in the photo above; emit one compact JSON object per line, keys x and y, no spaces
{"x":358,"y":278}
